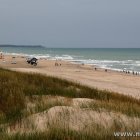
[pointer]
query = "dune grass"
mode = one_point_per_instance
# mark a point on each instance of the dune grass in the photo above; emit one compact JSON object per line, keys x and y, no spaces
{"x":15,"y":87}
{"x":57,"y":134}
{"x":96,"y":133}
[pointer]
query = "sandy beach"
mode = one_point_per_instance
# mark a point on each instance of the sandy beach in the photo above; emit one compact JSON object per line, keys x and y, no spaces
{"x":122,"y":83}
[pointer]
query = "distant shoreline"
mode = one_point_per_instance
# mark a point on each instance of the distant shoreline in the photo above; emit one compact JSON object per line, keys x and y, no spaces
{"x":111,"y":59}
{"x":7,"y":45}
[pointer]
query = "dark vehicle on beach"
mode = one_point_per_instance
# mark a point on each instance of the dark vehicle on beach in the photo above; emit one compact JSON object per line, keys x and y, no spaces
{"x":32,"y":61}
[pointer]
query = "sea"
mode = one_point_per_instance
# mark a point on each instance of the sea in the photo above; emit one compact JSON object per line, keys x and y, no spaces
{"x":117,"y":59}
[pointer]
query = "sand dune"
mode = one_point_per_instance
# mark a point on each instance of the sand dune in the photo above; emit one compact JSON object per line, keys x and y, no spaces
{"x":72,"y":116}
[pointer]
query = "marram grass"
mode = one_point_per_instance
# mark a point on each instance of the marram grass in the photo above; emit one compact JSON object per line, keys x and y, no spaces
{"x":15,"y":87}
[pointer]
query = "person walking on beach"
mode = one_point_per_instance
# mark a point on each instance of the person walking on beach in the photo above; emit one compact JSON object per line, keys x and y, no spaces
{"x":1,"y":55}
{"x":133,"y":72}
{"x":56,"y":63}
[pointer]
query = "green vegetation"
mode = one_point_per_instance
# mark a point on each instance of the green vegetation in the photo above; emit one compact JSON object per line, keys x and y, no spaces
{"x":18,"y":89}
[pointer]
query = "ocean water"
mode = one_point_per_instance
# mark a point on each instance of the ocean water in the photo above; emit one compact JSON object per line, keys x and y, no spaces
{"x":110,"y":58}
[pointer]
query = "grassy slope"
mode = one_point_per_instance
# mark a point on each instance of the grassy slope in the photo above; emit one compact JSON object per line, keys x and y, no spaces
{"x":15,"y":87}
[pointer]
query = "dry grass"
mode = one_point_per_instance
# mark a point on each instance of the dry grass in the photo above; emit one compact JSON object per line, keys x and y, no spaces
{"x":59,"y":109}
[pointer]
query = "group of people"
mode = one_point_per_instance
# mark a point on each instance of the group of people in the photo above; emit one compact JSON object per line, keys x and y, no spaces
{"x":133,"y":72}
{"x":57,"y":64}
{"x":124,"y":71}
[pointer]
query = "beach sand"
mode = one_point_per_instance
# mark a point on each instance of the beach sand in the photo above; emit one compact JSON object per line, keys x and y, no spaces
{"x":122,"y":83}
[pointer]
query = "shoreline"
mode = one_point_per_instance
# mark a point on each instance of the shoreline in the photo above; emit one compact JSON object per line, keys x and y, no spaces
{"x":114,"y":81}
{"x":77,"y":61}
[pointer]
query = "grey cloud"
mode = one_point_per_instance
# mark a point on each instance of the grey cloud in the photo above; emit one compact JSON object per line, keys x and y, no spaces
{"x":70,"y":23}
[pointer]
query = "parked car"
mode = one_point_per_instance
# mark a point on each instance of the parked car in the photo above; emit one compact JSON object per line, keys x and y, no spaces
{"x":32,"y":61}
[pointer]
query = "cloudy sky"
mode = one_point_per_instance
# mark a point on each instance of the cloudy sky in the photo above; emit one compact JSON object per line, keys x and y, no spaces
{"x":70,"y":23}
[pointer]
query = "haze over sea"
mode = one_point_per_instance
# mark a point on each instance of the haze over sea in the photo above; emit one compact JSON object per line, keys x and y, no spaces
{"x":110,"y":58}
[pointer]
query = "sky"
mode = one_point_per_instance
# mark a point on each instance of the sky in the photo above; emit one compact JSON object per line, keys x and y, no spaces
{"x":71,"y":23}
